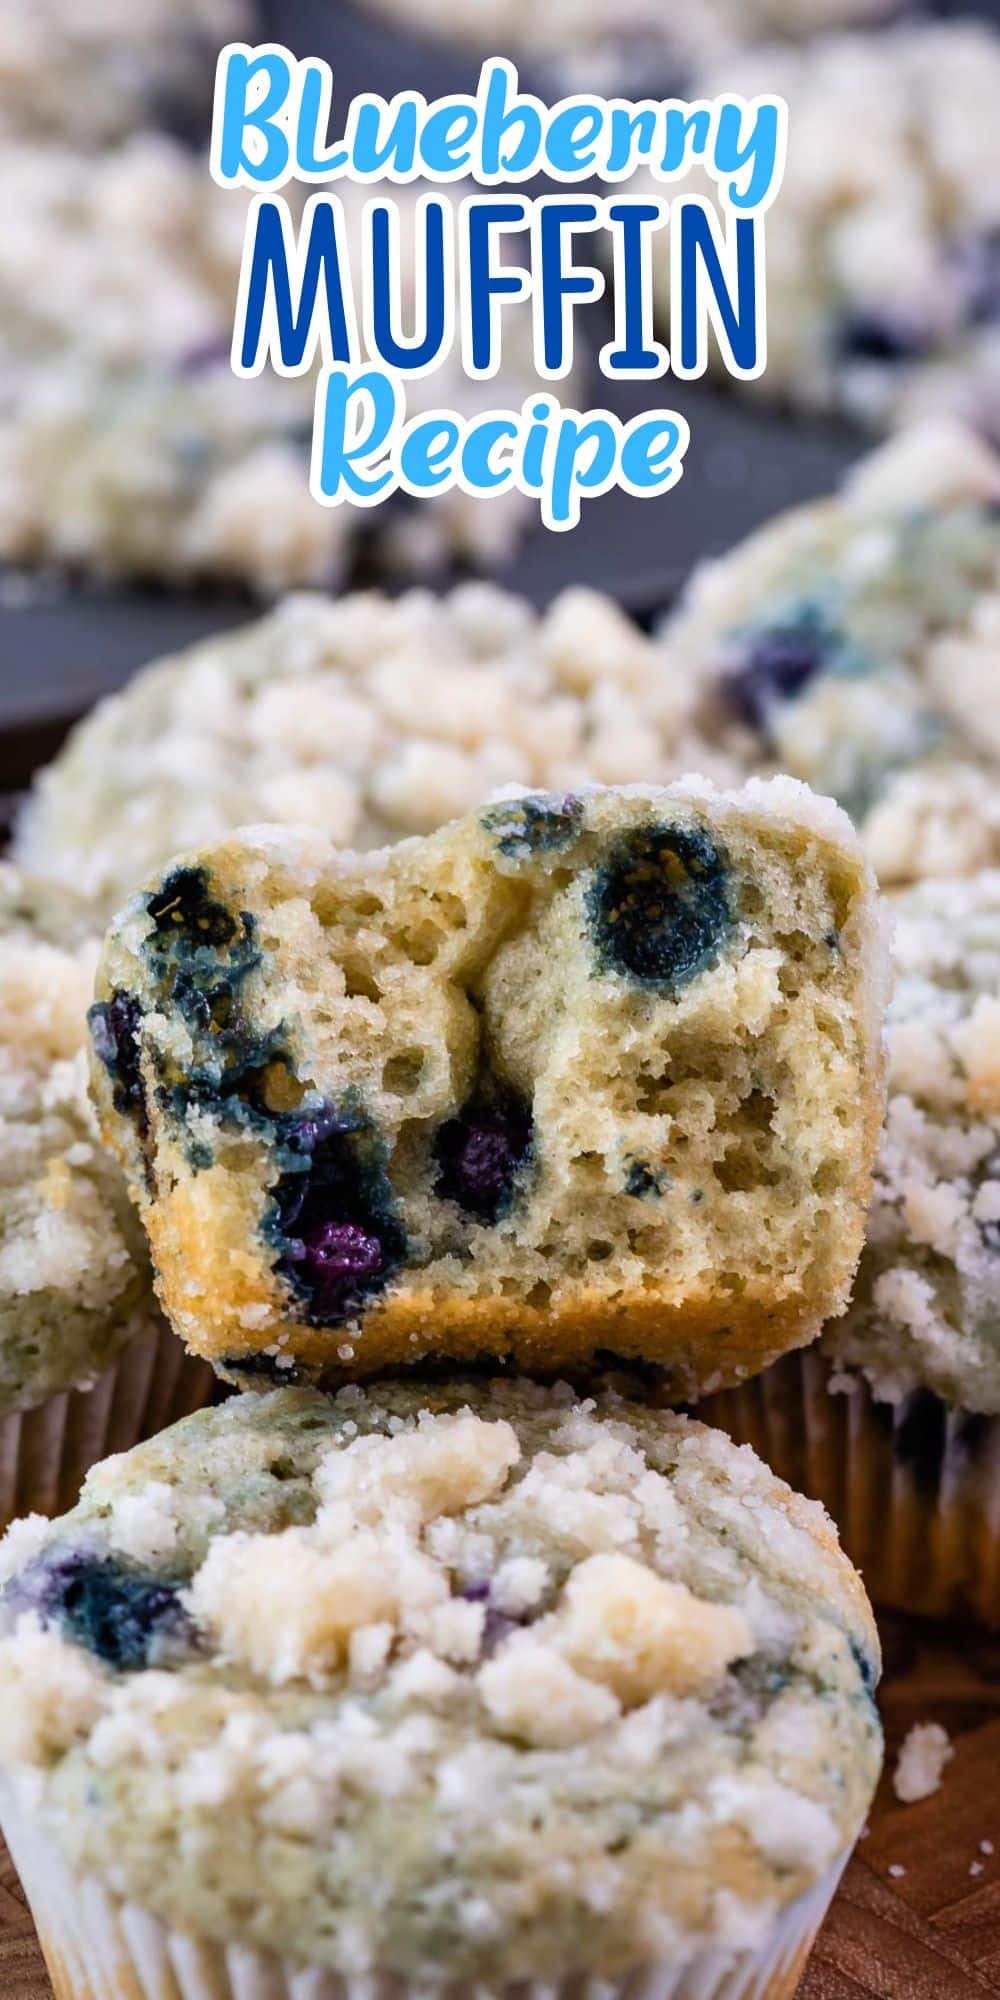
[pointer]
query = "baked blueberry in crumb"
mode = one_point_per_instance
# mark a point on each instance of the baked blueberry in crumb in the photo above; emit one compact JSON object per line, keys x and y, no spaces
{"x":641,"y":1182}
{"x":333,"y":1212}
{"x":114,"y":1028}
{"x":231,"y":1078}
{"x":481,"y":1152}
{"x":866,"y":1667}
{"x":778,"y":662}
{"x":659,"y":906}
{"x":121,"y":1614}
{"x":497,"y":1625}
{"x":201,"y":953}
{"x":538,"y":825}
{"x":262,"y":1368}
{"x":184,"y":909}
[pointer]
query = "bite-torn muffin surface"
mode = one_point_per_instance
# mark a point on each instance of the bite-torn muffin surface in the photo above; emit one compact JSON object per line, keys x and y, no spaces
{"x":587,"y":1073}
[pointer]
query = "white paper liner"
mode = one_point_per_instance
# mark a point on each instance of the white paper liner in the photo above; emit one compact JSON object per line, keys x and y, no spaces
{"x":45,"y":1453}
{"x":913,"y":1486}
{"x":99,"y":1948}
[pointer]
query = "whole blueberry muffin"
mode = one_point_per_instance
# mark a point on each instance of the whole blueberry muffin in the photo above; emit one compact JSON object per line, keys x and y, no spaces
{"x":593,"y":1071}
{"x":883,"y":245}
{"x":74,"y":1272}
{"x":853,"y":643}
{"x":466,"y":1683}
{"x":605,"y":43}
{"x":127,"y":446}
{"x":368,"y":716}
{"x":894,"y":1421}
{"x":86,"y":1360}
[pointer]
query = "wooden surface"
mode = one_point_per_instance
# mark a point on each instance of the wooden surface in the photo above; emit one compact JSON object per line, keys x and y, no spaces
{"x":930,"y":1933}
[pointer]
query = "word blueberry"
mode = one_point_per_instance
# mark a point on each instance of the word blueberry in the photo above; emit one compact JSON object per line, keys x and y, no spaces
{"x":272,"y":116}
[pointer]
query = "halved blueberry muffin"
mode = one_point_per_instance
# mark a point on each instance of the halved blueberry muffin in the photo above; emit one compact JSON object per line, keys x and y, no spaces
{"x":586,"y":1074}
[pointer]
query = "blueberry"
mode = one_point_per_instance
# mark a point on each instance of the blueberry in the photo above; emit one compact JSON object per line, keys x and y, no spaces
{"x":659,"y":906}
{"x":978,"y":270}
{"x":333,"y":1212}
{"x":114,"y":1029}
{"x":867,"y":1668}
{"x":642,"y":1182}
{"x":184,"y":909}
{"x":536,"y":825}
{"x":990,"y":1231}
{"x":121,"y":1614}
{"x":778,"y":662}
{"x":230,"y":1078}
{"x":261,"y":1367}
{"x":207,"y":354}
{"x":880,"y":337}
{"x":990,"y":1236}
{"x":497,"y":1625}
{"x":340,"y":1257}
{"x":481,"y":1152}
{"x":761,"y":1677}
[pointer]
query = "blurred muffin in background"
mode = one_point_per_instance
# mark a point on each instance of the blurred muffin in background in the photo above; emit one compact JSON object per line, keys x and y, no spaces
{"x":127,"y":445}
{"x":368,"y":717}
{"x":853,"y":642}
{"x":893,"y":1421}
{"x":435,"y":1690}
{"x":90,"y":70}
{"x":87,"y":1363}
{"x":883,"y":246}
{"x":603,"y":42}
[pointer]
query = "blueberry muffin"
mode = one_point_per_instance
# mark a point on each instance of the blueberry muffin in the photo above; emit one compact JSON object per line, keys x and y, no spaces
{"x":128,"y":447}
{"x":586,"y":1072}
{"x":894,"y":1421}
{"x":86,"y":1362}
{"x":604,"y":43}
{"x":853,"y":642}
{"x":466,"y":1684}
{"x":883,"y":246}
{"x":369,"y":716}
{"x":93,"y":72}
{"x":74,"y":1274}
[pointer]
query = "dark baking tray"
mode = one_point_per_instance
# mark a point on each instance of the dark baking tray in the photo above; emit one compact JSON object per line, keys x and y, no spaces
{"x":64,"y":647}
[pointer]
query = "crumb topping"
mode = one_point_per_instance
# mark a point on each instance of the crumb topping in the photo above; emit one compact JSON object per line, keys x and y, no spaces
{"x":924,"y":1752}
{"x":927,"y":1299}
{"x":852,"y":642}
{"x":591,"y":1656}
{"x":74,"y":1275}
{"x":370,"y":717}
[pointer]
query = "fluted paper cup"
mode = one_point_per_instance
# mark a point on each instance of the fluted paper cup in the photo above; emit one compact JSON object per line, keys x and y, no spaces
{"x":914,"y":1486}
{"x":99,"y":1948}
{"x":46,"y":1453}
